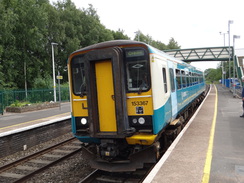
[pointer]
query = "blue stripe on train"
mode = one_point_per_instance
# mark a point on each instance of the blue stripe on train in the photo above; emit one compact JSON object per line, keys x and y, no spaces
{"x":161,"y":117}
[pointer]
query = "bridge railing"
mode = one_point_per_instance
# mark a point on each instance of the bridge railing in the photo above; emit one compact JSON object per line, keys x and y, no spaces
{"x":202,"y":54}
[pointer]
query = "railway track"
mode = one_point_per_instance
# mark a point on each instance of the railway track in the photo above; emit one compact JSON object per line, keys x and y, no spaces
{"x":25,"y":168}
{"x":99,"y":176}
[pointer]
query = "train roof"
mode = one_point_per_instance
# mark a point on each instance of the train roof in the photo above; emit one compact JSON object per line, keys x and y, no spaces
{"x":110,"y":44}
{"x":130,"y":42}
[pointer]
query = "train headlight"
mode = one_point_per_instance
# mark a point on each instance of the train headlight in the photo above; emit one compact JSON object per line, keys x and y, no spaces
{"x":141,"y":123}
{"x":134,"y":120}
{"x":141,"y":120}
{"x":83,"y":121}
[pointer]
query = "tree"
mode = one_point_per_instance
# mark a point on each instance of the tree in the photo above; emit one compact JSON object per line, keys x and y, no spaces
{"x":43,"y":82}
{"x":143,"y":38}
{"x":173,"y":44}
{"x":28,"y":27}
{"x":24,"y":40}
{"x":157,"y":44}
{"x":213,"y":74}
{"x":8,"y":51}
{"x":119,"y":34}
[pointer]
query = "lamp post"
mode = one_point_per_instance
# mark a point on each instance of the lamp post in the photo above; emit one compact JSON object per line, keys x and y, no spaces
{"x":54,"y":81}
{"x":234,"y":82}
{"x":223,"y":64}
{"x":138,"y":35}
{"x":229,"y":22}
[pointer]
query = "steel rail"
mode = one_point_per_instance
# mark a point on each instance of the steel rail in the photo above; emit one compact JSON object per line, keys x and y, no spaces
{"x":26,"y":159}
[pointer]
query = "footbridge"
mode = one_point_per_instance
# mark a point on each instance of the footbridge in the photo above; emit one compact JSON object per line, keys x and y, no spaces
{"x":212,"y":54}
{"x":202,"y":54}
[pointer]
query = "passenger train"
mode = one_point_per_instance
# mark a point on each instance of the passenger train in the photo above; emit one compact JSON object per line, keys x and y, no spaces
{"x":125,"y":96}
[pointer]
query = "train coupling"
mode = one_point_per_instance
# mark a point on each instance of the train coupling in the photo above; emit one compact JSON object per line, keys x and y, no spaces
{"x":108,"y":149}
{"x":134,"y":161}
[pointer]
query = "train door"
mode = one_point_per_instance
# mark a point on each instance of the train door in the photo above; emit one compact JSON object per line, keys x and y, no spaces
{"x":173,"y":93}
{"x":106,"y":94}
{"x":167,"y":94}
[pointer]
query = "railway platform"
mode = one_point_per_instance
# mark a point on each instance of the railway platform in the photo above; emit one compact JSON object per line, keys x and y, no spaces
{"x":12,"y":122}
{"x":210,"y":148}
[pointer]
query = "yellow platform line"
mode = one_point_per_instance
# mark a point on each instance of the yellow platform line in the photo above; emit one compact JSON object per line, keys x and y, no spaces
{"x":208,"y":161}
{"x":35,"y":120}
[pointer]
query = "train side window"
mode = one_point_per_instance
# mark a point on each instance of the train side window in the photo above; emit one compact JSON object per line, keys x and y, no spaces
{"x":165,"y":80}
{"x":194,"y":78}
{"x":202,"y":77}
{"x":197,"y":78}
{"x":178,"y":79}
{"x":172,"y":81}
{"x":190,"y":79}
{"x":184,"y":82}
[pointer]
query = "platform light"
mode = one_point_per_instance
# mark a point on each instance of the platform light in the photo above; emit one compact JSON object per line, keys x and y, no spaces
{"x":223,"y":63}
{"x":54,"y":81}
{"x":138,"y":35}
{"x":236,"y":37}
{"x":229,"y":22}
{"x":234,"y":81}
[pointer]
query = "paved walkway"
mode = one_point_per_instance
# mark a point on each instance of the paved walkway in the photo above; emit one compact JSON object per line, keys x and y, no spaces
{"x":211,"y":149}
{"x":10,"y":121}
{"x":185,"y":159}
{"x":228,"y":151}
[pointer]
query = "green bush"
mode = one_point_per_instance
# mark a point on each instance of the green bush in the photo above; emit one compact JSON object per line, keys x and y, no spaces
{"x":19,"y":104}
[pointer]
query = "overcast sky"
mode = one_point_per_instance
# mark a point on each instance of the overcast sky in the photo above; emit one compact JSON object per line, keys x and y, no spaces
{"x":192,"y":23}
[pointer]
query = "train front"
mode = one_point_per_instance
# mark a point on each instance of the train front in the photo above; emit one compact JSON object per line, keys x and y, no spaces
{"x":112,"y":106}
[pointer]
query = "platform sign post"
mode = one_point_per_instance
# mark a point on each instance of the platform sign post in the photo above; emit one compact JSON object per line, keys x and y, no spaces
{"x":59,"y":93}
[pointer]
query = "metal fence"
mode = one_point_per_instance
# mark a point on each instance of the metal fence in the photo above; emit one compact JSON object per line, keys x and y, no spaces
{"x":8,"y":97}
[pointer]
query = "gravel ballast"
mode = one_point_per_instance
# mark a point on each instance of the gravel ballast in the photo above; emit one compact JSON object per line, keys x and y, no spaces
{"x":71,"y":170}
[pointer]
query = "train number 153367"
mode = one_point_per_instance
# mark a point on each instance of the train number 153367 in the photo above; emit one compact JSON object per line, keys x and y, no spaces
{"x":139,"y":103}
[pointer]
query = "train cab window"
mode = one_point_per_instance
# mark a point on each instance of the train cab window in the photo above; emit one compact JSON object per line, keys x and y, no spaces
{"x":137,"y":70}
{"x":172,"y":81}
{"x":165,"y":80}
{"x":178,"y":79}
{"x":78,"y":75}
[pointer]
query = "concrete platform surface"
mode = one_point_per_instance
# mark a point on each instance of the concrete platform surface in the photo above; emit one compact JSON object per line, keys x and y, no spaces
{"x":13,"y":121}
{"x":228,"y":150}
{"x":211,"y":148}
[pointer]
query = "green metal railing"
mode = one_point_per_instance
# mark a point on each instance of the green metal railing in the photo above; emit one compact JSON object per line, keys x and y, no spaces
{"x":8,"y":97}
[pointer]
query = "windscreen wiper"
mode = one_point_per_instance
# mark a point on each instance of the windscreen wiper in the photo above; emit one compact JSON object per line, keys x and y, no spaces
{"x":82,"y":90}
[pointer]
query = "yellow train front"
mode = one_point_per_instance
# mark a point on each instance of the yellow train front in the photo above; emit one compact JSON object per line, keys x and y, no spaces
{"x":115,"y":112}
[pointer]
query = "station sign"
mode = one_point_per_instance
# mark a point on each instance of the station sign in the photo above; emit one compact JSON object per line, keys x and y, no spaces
{"x":59,"y":77}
